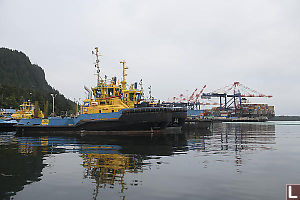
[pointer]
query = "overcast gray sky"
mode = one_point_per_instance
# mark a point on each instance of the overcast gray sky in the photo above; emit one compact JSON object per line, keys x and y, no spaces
{"x":174,"y":46}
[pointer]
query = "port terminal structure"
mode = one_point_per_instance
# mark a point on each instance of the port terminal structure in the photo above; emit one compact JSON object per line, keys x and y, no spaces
{"x":232,"y":102}
{"x":233,"y":97}
{"x":191,"y":103}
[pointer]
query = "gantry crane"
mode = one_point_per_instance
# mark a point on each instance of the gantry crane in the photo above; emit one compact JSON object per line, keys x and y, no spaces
{"x":232,"y":95}
{"x":192,"y":102}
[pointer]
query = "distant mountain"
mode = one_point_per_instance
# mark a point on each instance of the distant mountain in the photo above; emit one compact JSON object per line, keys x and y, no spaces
{"x":21,"y":80}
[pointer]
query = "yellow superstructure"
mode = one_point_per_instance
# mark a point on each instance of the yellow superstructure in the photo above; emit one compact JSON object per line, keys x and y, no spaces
{"x":107,"y":95}
{"x":2,"y":114}
{"x":106,"y":99}
{"x":130,"y":96}
{"x":110,"y":96}
{"x":27,"y":111}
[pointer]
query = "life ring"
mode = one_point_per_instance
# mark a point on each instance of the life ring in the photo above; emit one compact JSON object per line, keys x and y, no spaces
{"x":201,"y":114}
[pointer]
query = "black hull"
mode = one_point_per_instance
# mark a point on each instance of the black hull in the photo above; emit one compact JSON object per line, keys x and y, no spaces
{"x":198,"y":124}
{"x":6,"y":127}
{"x":133,"y":121}
{"x":179,"y":116}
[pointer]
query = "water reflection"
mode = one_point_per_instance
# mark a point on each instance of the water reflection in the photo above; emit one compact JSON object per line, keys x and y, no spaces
{"x":238,"y":137}
{"x":107,"y":166}
{"x":105,"y":159}
{"x":233,"y":139}
{"x":108,"y":160}
{"x":16,"y":169}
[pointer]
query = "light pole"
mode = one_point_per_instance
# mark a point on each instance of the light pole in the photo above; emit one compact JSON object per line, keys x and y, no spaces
{"x":79,"y":106}
{"x":53,"y":96}
{"x":76,"y":108}
{"x":150,"y":97}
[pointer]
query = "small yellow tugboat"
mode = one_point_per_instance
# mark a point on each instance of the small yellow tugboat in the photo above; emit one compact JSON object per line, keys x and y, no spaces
{"x":6,"y":113}
{"x":27,"y":111}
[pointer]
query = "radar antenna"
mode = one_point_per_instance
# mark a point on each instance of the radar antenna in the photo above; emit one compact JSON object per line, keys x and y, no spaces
{"x":97,"y":65}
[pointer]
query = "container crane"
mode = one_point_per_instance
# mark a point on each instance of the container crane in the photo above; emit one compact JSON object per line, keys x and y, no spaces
{"x":191,"y":98}
{"x":233,"y":95}
{"x":199,"y":94}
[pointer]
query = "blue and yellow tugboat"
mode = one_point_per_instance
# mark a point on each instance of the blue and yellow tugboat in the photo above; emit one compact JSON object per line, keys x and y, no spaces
{"x":10,"y":117}
{"x":28,"y":111}
{"x":104,"y":112}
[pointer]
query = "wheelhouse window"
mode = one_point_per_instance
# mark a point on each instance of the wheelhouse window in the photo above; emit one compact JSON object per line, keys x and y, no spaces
{"x":131,"y":95}
{"x":86,"y":104}
{"x":110,"y":92}
{"x":117,"y":91}
{"x":137,"y":96}
{"x":97,"y":93}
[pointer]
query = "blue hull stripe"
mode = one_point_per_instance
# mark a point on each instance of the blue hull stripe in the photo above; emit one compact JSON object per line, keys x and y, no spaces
{"x":68,"y":121}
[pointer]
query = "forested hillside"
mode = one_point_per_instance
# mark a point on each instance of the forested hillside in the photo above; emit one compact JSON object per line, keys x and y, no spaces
{"x":20,"y":80}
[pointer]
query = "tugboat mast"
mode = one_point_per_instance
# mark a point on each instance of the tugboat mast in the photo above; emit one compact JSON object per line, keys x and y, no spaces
{"x":123,"y":82}
{"x":97,"y":66}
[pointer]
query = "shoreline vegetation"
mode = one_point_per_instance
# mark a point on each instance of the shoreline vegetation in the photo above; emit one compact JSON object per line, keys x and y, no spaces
{"x":20,"y":81}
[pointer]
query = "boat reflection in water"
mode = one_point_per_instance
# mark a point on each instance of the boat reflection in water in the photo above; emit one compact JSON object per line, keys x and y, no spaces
{"x":20,"y":165}
{"x":108,"y":168}
{"x":106,"y":164}
{"x":116,"y":163}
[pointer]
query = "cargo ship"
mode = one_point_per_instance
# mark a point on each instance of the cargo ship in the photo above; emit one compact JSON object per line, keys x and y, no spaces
{"x":103,"y":112}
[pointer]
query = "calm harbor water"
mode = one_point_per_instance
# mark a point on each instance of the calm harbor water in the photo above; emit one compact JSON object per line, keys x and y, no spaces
{"x":232,"y":161}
